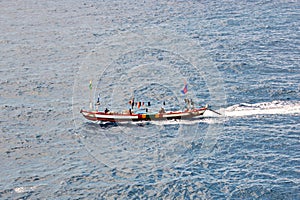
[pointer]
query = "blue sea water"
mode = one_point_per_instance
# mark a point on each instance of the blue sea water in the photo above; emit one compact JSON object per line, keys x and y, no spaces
{"x":241,"y":57}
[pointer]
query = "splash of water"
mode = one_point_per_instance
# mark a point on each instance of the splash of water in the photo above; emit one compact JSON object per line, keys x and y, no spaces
{"x":263,"y":108}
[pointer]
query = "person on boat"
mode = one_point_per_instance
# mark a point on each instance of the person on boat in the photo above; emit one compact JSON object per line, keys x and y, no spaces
{"x":187,"y":104}
{"x":192,"y":104}
{"x":139,"y":105}
{"x":97,"y":104}
{"x":106,"y":111}
{"x":132,"y":103}
{"x":98,"y":101}
{"x":162,"y":110}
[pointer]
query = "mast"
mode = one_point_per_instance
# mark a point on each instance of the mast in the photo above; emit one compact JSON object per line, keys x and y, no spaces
{"x":91,"y":87}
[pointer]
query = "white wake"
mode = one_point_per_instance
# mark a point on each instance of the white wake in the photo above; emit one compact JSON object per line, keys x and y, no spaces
{"x":264,"y":108}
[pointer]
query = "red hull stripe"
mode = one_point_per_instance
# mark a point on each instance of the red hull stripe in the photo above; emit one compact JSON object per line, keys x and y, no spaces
{"x":111,"y":117}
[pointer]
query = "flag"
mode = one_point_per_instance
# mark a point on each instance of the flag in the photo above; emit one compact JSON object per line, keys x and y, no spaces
{"x":90,"y":86}
{"x":185,"y":90}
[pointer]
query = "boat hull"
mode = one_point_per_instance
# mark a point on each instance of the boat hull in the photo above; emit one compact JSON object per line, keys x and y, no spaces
{"x":121,"y":117}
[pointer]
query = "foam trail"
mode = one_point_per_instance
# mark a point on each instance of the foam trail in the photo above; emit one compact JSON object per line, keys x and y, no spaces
{"x":264,"y":108}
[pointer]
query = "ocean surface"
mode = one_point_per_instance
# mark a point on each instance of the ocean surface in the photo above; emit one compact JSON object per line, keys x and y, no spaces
{"x":240,"y":57}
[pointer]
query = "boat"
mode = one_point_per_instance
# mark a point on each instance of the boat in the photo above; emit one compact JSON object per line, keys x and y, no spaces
{"x":108,"y":116}
{"x":189,"y":112}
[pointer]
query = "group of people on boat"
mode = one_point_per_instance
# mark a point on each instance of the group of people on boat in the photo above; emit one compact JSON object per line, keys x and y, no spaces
{"x":138,"y":104}
{"x":189,"y":105}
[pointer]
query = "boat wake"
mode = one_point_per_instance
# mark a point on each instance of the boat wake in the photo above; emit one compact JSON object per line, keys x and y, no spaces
{"x":264,"y":108}
{"x":244,"y":109}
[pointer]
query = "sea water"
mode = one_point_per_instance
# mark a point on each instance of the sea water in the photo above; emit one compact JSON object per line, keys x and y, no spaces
{"x":240,"y":57}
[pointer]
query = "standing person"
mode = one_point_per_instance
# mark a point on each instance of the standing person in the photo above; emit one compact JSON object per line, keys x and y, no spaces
{"x":98,"y":100}
{"x":132,"y":103}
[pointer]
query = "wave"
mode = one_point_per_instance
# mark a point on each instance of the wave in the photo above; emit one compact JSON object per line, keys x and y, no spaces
{"x":264,"y":108}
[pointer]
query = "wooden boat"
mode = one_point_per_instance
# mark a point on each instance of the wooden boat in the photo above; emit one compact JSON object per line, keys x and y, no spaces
{"x":190,"y":111}
{"x":143,"y":116}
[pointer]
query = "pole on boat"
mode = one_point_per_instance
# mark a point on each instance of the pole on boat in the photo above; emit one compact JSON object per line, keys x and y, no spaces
{"x":91,"y":87}
{"x":214,"y":111}
{"x":207,"y":108}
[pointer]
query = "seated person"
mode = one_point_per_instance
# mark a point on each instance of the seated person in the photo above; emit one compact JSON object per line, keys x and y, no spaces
{"x":162,"y":110}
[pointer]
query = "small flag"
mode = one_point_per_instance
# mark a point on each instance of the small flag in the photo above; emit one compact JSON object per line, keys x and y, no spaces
{"x":90,"y":86}
{"x":185,"y":90}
